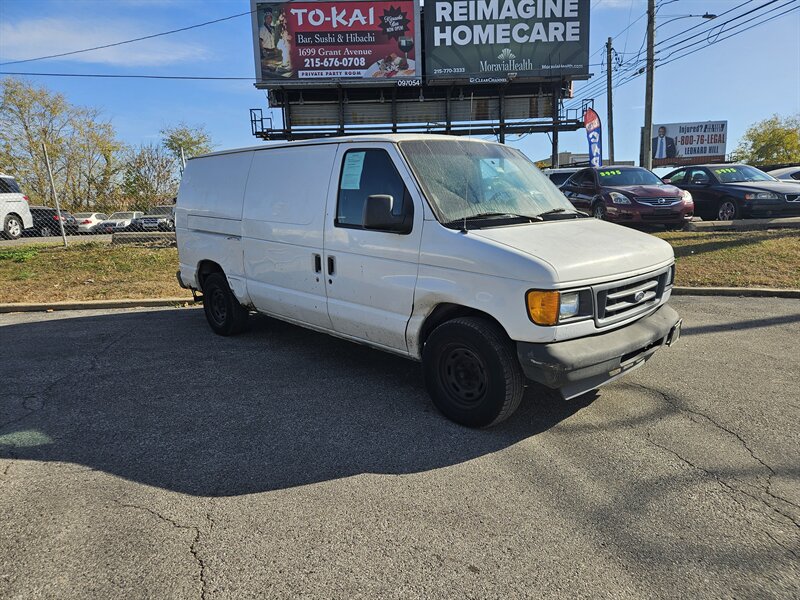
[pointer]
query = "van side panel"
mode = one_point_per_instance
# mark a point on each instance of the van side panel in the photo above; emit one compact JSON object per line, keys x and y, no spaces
{"x":208,"y":217}
{"x":282,"y":229}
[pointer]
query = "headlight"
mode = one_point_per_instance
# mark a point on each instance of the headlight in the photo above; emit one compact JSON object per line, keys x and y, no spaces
{"x":618,"y":198}
{"x":543,"y":306}
{"x":761,"y":196}
{"x":548,"y":307}
{"x":570,"y":303}
{"x":670,"y":276}
{"x":687,"y":196}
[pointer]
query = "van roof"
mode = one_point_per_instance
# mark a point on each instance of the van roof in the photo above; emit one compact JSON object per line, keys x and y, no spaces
{"x":388,"y":137}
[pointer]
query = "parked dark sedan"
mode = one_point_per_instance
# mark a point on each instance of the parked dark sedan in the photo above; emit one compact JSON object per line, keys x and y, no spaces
{"x":45,"y":222}
{"x":726,"y":192}
{"x":630,"y":195}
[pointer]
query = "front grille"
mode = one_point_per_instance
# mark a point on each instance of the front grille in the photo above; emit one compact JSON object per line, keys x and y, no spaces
{"x":658,"y":201}
{"x":628,"y":298}
{"x":793,"y":197}
{"x":662,"y":216}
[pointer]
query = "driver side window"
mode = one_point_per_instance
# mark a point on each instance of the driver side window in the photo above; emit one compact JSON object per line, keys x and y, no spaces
{"x":698,"y":176}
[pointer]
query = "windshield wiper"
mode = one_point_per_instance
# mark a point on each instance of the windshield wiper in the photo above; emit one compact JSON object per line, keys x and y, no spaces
{"x":490,"y":215}
{"x":555,"y":211}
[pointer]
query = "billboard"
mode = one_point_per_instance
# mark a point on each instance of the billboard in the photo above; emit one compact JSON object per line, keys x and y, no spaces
{"x":688,"y":143}
{"x":494,"y":41}
{"x":317,"y":42}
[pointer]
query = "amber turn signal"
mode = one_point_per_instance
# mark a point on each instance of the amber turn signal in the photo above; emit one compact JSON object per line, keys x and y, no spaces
{"x":543,"y":306}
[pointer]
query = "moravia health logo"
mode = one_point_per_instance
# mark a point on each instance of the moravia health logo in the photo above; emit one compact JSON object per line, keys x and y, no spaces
{"x":506,"y":54}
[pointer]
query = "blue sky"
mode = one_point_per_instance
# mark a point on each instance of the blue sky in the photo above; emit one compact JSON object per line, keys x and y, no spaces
{"x":742,"y":80}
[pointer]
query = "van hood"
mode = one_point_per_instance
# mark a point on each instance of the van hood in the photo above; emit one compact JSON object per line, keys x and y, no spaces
{"x":584,"y":249}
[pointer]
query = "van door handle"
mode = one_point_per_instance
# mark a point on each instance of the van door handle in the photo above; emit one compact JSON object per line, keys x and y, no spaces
{"x":331,"y":265}
{"x":317,"y":263}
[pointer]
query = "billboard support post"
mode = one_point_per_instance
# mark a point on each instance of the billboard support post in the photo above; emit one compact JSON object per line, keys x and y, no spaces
{"x":501,"y":98}
{"x":556,"y":102}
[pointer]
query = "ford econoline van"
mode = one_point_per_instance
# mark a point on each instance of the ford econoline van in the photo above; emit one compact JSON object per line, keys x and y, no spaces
{"x":455,"y":252}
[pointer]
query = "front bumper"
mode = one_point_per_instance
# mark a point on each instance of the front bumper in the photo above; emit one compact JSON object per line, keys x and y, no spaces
{"x":580,"y":365}
{"x":647,"y":215}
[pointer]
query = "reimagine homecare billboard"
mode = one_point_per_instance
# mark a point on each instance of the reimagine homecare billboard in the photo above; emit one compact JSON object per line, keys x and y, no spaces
{"x":493,"y":41}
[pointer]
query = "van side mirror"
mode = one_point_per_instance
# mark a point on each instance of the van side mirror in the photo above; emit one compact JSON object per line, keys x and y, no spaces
{"x":378,"y":215}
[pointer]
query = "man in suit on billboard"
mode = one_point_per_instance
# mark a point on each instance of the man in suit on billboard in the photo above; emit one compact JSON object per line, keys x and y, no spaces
{"x":663,"y":146}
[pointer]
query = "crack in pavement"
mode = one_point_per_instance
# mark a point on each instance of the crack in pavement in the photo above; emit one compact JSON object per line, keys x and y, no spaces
{"x":730,"y":489}
{"x":760,"y":500}
{"x":192,"y":547}
{"x":675,"y":403}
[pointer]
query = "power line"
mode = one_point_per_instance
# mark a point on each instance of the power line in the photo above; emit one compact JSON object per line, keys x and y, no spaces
{"x":139,"y":39}
{"x":621,"y":82}
{"x":116,"y":76}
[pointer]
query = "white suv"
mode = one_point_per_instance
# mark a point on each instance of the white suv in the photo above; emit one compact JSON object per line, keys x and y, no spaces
{"x":14,"y":212}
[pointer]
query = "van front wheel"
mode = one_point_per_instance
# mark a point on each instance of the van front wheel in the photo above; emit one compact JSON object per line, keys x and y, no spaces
{"x":472,"y":372}
{"x":224,"y":313}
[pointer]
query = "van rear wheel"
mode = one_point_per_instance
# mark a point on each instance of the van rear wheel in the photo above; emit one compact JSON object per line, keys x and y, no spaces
{"x":472,"y":373}
{"x":224,"y":313}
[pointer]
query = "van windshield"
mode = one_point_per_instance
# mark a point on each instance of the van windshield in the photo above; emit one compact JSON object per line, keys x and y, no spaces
{"x":467,"y":179}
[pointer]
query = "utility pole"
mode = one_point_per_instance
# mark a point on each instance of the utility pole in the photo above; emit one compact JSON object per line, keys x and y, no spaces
{"x":647,"y":154}
{"x":610,"y":103}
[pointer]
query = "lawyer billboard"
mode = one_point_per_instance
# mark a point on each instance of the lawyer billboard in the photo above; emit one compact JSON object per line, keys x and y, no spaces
{"x":688,"y":143}
{"x":313,"y":42}
{"x":494,"y":41}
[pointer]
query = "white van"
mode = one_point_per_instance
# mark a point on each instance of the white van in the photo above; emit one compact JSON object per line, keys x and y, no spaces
{"x":15,"y":214}
{"x":452,"y":251}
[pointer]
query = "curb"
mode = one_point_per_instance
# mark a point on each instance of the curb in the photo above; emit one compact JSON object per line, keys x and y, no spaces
{"x":740,"y":292}
{"x":94,"y":304}
{"x":151,"y":302}
{"x":744,"y":224}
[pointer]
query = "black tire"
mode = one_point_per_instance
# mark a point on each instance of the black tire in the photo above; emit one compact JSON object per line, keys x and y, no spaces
{"x":599,"y":210}
{"x":12,"y":227}
{"x":472,"y":373}
{"x":224,"y":313}
{"x":727,"y":210}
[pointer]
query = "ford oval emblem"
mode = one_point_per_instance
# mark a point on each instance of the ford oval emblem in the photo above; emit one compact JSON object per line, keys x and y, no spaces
{"x":638,"y":297}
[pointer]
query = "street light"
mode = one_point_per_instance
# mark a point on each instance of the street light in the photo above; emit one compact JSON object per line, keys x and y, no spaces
{"x":647,"y":155}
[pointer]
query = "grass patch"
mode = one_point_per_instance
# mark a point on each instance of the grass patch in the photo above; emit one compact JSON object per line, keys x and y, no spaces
{"x":98,"y":271}
{"x":87,"y":271}
{"x":768,"y":258}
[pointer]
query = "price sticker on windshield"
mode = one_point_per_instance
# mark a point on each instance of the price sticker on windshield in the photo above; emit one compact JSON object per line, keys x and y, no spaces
{"x":610,"y":173}
{"x":725,"y":170}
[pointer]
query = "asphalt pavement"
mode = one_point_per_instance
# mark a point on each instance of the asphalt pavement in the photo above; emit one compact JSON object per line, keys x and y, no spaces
{"x":143,"y":457}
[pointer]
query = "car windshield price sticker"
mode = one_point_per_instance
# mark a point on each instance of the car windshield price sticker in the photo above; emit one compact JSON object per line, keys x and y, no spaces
{"x":351,"y":172}
{"x":610,"y":173}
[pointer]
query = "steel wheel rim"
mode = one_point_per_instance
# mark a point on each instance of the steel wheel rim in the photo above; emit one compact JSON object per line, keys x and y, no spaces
{"x":726,"y":211}
{"x":218,"y":306}
{"x":463,"y":375}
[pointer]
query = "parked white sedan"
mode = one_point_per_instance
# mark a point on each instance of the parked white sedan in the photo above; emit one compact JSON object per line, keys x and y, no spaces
{"x":88,"y":221}
{"x":118,"y":221}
